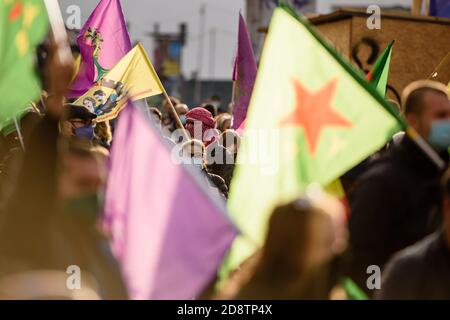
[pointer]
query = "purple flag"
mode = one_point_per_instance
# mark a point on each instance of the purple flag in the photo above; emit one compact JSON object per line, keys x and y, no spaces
{"x":244,"y":75}
{"x":103,"y":41}
{"x":170,"y":232}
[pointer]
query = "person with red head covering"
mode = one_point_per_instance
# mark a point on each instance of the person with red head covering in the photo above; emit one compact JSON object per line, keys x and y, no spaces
{"x":201,"y":118}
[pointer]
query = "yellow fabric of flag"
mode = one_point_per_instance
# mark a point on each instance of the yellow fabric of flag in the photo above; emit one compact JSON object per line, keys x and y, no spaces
{"x":133,"y":77}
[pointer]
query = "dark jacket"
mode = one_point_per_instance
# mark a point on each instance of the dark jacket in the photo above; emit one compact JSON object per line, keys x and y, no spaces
{"x":222,"y":166}
{"x":395,"y":204}
{"x":419,"y":272}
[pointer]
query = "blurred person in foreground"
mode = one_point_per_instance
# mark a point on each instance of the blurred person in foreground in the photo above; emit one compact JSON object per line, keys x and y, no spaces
{"x":396,"y":201}
{"x":40,"y":227}
{"x":299,"y":258}
{"x":11,"y":149}
{"x":422,"y":271}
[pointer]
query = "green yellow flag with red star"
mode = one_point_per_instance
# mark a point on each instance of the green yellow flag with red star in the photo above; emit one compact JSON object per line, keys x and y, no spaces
{"x":312,"y":117}
{"x":23,"y":25}
{"x":378,"y":76}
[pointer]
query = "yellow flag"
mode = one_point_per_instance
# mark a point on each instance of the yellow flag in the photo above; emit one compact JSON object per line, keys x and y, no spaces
{"x":132,"y":77}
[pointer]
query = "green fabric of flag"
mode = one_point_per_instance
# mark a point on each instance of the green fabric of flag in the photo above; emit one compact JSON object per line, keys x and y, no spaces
{"x":312,"y":117}
{"x":379,"y":74}
{"x":352,"y":290}
{"x":23,"y":23}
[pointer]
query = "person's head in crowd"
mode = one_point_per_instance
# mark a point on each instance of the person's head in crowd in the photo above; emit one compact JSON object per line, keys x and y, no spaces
{"x":89,"y":103}
{"x":223,"y":122}
{"x":231,"y":140}
{"x":166,"y":105}
{"x":103,"y":135}
{"x":198,"y":122}
{"x":182,"y":110}
{"x":193,"y":153}
{"x":211,"y":109}
{"x":78,"y":122}
{"x":156,"y":115}
{"x":216,"y":102}
{"x":100,"y":96}
{"x":166,"y":109}
{"x":427,"y":110}
{"x":219,"y":161}
{"x":303,"y":238}
{"x":82,"y":176}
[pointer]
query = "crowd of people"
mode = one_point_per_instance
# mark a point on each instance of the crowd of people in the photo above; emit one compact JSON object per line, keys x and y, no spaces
{"x":53,"y":172}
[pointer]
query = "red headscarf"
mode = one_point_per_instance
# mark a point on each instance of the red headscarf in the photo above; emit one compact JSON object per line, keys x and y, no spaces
{"x":207,"y":120}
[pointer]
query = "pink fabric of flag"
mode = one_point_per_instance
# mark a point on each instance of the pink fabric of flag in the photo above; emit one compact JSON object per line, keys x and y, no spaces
{"x":170,"y":232}
{"x":244,"y":75}
{"x":103,"y":41}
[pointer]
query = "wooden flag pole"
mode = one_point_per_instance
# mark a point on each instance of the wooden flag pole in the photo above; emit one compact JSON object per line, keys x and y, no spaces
{"x":59,"y":31}
{"x":444,"y":61}
{"x":19,"y":133}
{"x":174,"y":113}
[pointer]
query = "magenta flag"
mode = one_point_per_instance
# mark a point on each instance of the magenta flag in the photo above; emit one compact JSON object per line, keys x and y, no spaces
{"x":244,"y":75}
{"x":103,"y":41}
{"x":170,"y":232}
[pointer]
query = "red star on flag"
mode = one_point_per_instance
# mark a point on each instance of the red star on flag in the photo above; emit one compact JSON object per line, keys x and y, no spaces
{"x":313,"y":112}
{"x":16,"y":11}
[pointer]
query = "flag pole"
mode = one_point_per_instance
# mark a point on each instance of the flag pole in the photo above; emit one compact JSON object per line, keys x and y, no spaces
{"x":59,"y":31}
{"x":19,"y":133}
{"x":174,"y":113}
{"x":435,"y":72}
{"x":426,"y":148}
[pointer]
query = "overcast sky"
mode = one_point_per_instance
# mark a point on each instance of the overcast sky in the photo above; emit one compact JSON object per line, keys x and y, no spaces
{"x":221,"y":15}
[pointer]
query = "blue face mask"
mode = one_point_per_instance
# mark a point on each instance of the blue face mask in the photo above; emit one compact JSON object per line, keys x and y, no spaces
{"x":183,"y":119}
{"x":86,"y":132}
{"x":439,"y":136}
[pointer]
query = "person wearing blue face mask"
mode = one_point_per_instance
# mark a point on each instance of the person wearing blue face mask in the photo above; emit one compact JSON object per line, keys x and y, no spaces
{"x":420,"y":272}
{"x":78,"y":123}
{"x":397,"y":200}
